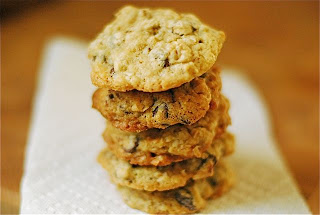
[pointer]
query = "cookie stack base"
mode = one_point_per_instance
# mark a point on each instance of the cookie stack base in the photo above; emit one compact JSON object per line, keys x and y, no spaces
{"x":181,"y":187}
{"x":188,"y":199}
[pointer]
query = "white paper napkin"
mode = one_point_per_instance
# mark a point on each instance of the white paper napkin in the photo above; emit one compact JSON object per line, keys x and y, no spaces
{"x":61,"y":174}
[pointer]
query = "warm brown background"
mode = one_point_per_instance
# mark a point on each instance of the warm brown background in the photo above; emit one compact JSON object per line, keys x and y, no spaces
{"x":275,"y":43}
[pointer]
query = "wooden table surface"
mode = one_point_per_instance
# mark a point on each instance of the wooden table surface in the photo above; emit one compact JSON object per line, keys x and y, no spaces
{"x":275,"y":43}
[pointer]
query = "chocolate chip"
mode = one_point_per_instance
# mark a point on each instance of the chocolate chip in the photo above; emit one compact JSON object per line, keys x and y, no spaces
{"x":193,"y":29}
{"x":153,"y":154}
{"x":184,"y":198}
{"x":203,"y":161}
{"x":212,"y":181}
{"x":136,"y":143}
{"x":214,"y":158}
{"x":104,"y":59}
{"x":166,"y":110}
{"x":166,"y":63}
{"x":112,"y":71}
{"x":173,"y":99}
{"x":111,"y":96}
{"x":200,"y":41}
{"x":154,"y":112}
{"x":192,"y":83}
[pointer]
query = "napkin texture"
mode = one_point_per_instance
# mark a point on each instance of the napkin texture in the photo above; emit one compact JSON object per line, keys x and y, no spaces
{"x":61,"y":174}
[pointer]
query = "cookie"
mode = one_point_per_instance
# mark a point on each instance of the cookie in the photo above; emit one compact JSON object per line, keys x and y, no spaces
{"x":153,"y":178}
{"x":137,"y":111}
{"x":188,"y":199}
{"x":220,"y":146}
{"x":161,"y":147}
{"x":152,"y":50}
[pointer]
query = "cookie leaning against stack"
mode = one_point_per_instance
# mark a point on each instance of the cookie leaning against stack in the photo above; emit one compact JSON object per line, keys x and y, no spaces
{"x":166,"y":117}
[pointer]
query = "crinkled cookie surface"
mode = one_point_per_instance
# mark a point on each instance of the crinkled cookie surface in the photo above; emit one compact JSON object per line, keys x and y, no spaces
{"x":152,"y":50}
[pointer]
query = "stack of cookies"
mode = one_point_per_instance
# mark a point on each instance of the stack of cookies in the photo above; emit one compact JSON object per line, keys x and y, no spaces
{"x":166,"y":117}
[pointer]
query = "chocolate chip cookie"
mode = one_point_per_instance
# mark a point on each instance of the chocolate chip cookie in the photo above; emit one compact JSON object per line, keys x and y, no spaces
{"x":137,"y":111}
{"x":189,"y":199}
{"x":152,"y":50}
{"x":153,"y":178}
{"x":223,"y":145}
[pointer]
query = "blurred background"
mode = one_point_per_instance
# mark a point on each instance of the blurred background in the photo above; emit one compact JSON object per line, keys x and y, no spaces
{"x":275,"y":43}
